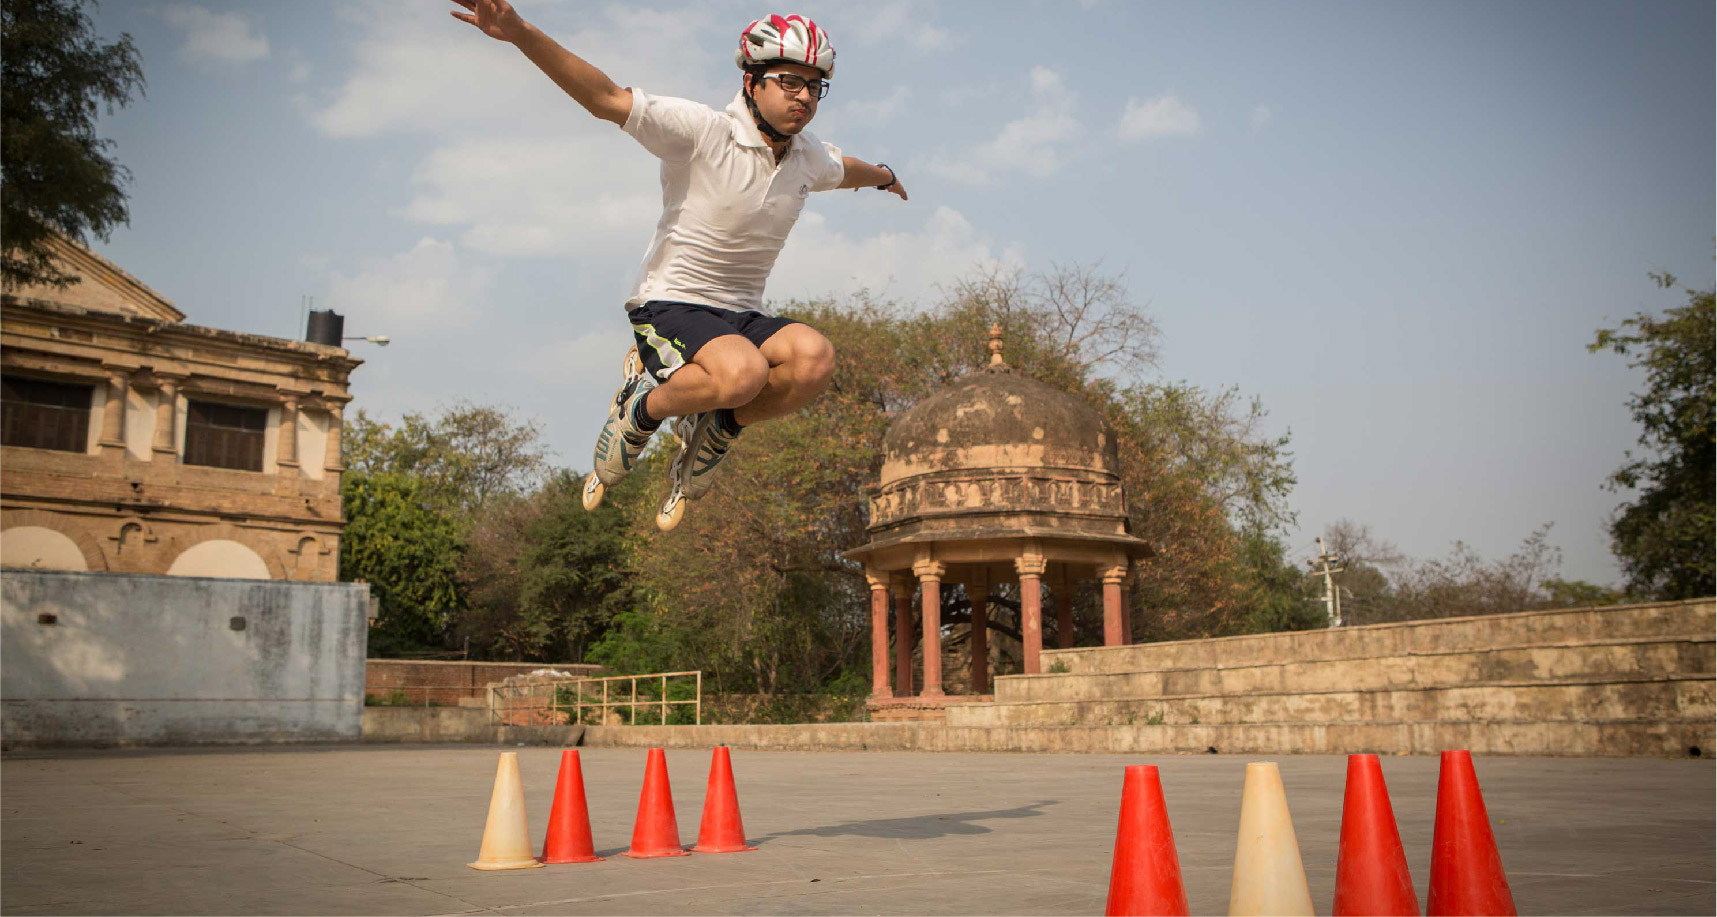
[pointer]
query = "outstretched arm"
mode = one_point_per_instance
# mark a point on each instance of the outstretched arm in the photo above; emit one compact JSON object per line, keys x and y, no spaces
{"x":587,"y":85}
{"x":861,"y":174}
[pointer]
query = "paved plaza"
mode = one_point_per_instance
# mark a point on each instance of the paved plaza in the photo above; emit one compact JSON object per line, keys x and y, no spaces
{"x":388,"y":830}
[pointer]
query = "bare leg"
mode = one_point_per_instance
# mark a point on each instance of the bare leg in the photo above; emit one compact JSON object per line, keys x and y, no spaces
{"x":726,"y":373}
{"x":792,"y":368}
{"x":801,"y":361}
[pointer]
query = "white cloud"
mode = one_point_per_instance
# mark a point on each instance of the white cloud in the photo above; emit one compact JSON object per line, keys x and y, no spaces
{"x":429,"y":74}
{"x":1164,"y":116}
{"x":900,"y":22}
{"x":1261,"y":115}
{"x":1034,"y":144}
{"x":428,"y":288}
{"x":210,"y":37}
{"x":875,"y":112}
{"x":583,"y":191}
{"x":591,"y":360}
{"x":906,"y":266}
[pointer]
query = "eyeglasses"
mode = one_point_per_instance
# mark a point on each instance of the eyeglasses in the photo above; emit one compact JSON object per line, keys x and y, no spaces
{"x":791,"y":83}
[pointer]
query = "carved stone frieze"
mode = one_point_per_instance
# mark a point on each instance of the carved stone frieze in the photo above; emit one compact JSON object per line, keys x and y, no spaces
{"x":1024,"y":492}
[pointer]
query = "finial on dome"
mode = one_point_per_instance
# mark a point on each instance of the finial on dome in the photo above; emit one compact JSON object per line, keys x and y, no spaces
{"x":997,"y":364}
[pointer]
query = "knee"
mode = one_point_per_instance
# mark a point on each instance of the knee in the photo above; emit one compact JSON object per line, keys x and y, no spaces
{"x":814,"y":361}
{"x":738,"y":382}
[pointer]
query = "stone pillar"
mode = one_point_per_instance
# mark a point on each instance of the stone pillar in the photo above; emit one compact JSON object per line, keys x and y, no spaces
{"x":332,"y":460}
{"x":929,"y":573}
{"x":113,"y":415}
{"x":1114,"y":604}
{"x":1031,"y":567}
{"x":878,"y":583}
{"x":165,"y":427}
{"x":903,"y":639}
{"x":1064,"y":611}
{"x":979,"y":592}
{"x":287,"y":457}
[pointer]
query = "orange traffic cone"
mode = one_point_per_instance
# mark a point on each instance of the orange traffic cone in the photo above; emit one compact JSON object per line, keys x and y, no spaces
{"x":1466,"y":870}
{"x":721,"y":830}
{"x":656,"y":833}
{"x":506,"y":840}
{"x":1144,"y":877}
{"x":1371,"y":870}
{"x":1268,"y":875}
{"x":568,"y":839}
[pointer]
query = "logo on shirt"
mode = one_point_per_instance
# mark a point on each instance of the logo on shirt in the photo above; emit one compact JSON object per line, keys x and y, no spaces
{"x":804,"y":190}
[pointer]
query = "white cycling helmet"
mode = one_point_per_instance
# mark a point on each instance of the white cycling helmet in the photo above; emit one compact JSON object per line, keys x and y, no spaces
{"x":785,"y":38}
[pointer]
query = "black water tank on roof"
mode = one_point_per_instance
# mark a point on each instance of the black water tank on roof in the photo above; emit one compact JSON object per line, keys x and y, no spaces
{"x":326,"y":327}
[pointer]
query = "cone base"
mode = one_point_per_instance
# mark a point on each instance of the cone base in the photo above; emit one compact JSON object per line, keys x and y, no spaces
{"x":652,"y":854}
{"x":721,"y":848}
{"x":530,"y":863}
{"x":560,"y":860}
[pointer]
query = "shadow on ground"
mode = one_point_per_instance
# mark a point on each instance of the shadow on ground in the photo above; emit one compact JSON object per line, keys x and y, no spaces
{"x":918,"y":827}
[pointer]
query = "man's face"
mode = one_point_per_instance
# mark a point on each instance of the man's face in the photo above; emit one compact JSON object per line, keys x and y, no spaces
{"x":789,"y":112}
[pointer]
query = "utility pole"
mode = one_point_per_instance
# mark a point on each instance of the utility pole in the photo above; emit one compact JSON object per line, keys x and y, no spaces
{"x":1332,"y":594}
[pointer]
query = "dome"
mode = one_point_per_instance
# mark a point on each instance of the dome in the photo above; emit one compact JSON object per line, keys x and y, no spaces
{"x":998,"y":453}
{"x":994,"y":420}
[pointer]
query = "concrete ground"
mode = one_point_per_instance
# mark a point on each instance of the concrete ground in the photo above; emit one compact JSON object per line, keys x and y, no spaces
{"x":388,"y":830}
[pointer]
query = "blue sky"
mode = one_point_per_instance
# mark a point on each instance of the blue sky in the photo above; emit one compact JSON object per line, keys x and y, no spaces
{"x":1396,"y":224}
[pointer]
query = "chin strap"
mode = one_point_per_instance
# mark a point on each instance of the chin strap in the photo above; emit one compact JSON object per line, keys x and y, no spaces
{"x":765,"y":127}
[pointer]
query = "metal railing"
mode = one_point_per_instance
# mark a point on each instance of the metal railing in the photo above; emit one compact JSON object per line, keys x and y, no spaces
{"x":429,"y":696}
{"x":544,"y":702}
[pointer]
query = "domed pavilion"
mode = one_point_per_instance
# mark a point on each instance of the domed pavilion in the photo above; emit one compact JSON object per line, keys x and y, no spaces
{"x":995,"y":478}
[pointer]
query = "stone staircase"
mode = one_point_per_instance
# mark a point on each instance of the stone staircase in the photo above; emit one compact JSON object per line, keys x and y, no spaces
{"x":1628,"y":680}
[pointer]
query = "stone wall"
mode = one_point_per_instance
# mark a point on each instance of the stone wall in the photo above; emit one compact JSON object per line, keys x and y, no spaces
{"x":129,"y":659}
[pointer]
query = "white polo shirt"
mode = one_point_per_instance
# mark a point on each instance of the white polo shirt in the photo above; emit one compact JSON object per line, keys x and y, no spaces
{"x":726,"y":206}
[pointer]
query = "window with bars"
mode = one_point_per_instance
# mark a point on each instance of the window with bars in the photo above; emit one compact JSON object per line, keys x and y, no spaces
{"x":225,"y":435}
{"x":38,"y":414}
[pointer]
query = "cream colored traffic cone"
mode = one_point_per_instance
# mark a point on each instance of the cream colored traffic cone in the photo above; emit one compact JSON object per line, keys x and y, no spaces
{"x":1268,"y":875}
{"x":506,"y":839}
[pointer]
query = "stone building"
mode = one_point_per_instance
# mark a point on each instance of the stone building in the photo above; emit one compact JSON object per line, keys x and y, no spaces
{"x":997,"y":478}
{"x":134,"y":442}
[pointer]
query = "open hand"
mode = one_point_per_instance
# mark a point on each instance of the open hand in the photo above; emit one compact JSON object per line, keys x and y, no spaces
{"x":897,"y":188}
{"x":496,"y":18}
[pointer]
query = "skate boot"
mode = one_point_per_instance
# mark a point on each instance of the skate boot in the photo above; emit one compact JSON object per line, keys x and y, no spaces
{"x":703,"y":445}
{"x":620,"y":442}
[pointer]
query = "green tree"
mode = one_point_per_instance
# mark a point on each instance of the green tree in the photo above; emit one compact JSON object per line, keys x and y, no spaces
{"x":408,"y":551}
{"x":1664,"y":538}
{"x":55,"y":174}
{"x":1275,"y":594}
{"x":466,"y":456}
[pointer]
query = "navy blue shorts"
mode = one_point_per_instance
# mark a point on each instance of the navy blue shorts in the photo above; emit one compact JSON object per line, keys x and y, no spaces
{"x":670,"y":334}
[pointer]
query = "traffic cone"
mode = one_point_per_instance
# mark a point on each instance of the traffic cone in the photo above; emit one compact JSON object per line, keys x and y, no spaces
{"x":568,"y":839}
{"x":1268,"y":875}
{"x":1371,"y":869}
{"x":1144,"y":877}
{"x":1466,"y":870}
{"x":721,"y":830}
{"x":506,"y":840}
{"x":656,"y":833}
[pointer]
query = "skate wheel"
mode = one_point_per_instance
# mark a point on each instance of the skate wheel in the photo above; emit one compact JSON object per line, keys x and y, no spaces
{"x":671,"y":514}
{"x":594,"y":490}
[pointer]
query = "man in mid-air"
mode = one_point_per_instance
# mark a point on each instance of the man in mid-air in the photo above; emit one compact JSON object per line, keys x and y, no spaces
{"x":733,"y":184}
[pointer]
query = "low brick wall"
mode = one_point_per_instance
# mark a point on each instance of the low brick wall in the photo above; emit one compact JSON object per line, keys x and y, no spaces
{"x":436,"y":682}
{"x":448,"y":725}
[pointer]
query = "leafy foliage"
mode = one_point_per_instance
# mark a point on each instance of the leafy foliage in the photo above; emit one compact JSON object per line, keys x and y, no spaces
{"x":55,"y":174}
{"x":1664,"y":539}
{"x":467,"y":456}
{"x":407,"y":550}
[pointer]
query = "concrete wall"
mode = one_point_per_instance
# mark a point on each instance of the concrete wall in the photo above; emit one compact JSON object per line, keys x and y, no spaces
{"x":132,"y":659}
